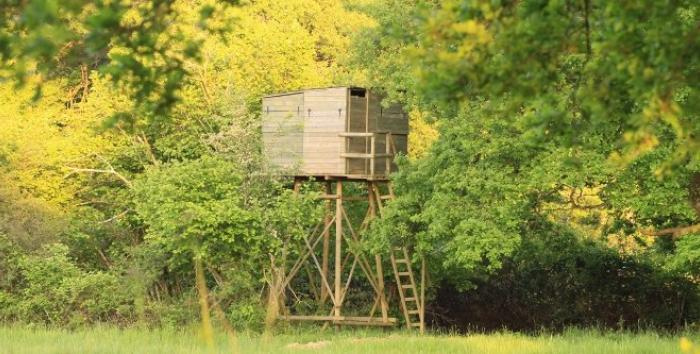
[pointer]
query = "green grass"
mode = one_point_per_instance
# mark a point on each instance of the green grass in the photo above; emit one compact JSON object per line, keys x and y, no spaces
{"x":111,"y":340}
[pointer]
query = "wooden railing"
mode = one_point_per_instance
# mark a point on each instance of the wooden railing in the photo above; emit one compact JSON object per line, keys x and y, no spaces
{"x":371,"y":156}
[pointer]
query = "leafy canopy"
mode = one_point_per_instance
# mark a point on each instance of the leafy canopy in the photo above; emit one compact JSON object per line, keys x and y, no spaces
{"x":202,"y":208}
{"x":539,"y":102}
{"x":141,"y":46}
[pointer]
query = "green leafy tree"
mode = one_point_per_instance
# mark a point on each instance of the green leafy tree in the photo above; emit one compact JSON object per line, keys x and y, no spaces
{"x":140,"y":45}
{"x":540,"y":100}
{"x":202,"y":210}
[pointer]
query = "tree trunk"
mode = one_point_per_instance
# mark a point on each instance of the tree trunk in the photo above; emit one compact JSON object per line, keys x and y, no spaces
{"x":207,"y":331}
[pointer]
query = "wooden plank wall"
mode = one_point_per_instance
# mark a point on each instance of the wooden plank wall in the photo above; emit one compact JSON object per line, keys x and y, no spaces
{"x":401,"y":144}
{"x":395,"y":120}
{"x":282,"y":128}
{"x":378,"y":119}
{"x":300,"y":130}
{"x":357,"y":123}
{"x":324,"y":118}
{"x":392,"y":119}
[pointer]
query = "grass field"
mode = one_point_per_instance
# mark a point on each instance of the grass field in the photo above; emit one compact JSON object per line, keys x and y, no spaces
{"x":110,"y":340}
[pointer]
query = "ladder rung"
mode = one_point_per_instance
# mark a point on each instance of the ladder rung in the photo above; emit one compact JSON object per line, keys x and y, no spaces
{"x":385,"y":197}
{"x":402,"y":261}
{"x":415,"y":325}
{"x":405,"y":273}
{"x":413,"y":312}
{"x":410,"y":299}
{"x":398,"y":249}
{"x":407,"y":286}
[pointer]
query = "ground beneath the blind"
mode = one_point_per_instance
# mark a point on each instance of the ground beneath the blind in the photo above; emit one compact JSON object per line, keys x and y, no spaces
{"x":23,"y":339}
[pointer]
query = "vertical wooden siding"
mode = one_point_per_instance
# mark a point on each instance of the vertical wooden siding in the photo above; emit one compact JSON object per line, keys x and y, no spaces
{"x":324,"y":118}
{"x":282,"y":128}
{"x":301,"y":130}
{"x":357,"y":123}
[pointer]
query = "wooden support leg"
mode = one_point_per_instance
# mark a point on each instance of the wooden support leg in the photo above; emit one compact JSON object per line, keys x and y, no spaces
{"x":281,"y":271}
{"x":326,"y":242}
{"x":297,"y":185}
{"x":377,"y":259}
{"x":274,"y":296}
{"x":338,"y":249}
{"x":380,"y":282}
{"x":422,"y":294}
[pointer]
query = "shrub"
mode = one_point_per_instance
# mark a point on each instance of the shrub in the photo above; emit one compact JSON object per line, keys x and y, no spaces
{"x":53,"y":290}
{"x":559,"y":280}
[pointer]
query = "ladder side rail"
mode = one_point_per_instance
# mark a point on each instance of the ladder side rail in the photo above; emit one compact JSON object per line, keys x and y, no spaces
{"x":400,"y":289}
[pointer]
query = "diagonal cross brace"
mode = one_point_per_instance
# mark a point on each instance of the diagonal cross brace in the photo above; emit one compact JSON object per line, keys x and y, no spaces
{"x":299,"y":263}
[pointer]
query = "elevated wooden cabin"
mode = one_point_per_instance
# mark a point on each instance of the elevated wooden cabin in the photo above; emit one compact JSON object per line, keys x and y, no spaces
{"x":333,"y":132}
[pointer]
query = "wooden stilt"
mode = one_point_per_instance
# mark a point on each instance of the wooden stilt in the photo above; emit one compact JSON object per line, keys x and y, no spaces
{"x":387,"y":142}
{"x":326,"y":241}
{"x":422,"y":295}
{"x":297,"y":185}
{"x":281,"y":271}
{"x":382,"y":297}
{"x":338,"y":248}
{"x":377,"y":259}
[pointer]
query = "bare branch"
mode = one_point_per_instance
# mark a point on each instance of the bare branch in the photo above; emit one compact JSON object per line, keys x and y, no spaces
{"x":91,"y":202}
{"x":110,"y":170}
{"x":141,"y":138}
{"x":674,"y":231}
{"x":115,"y":217}
{"x":104,"y":258}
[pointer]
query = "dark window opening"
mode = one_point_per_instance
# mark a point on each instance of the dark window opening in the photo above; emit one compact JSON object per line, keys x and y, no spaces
{"x":357,"y":92}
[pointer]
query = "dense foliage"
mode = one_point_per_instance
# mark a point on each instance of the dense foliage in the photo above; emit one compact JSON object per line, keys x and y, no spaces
{"x":552,"y":174}
{"x":177,"y":179}
{"x":574,"y":116}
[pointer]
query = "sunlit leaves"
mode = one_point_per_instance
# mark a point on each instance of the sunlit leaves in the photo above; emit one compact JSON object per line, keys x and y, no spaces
{"x":203,"y":207}
{"x":538,"y":98}
{"x":139,"y":45}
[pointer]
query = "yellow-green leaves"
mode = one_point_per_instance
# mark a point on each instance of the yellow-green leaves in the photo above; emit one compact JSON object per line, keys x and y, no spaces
{"x":279,"y":46}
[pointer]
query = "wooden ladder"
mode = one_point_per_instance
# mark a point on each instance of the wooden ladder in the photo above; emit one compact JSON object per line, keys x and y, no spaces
{"x":411,"y":300}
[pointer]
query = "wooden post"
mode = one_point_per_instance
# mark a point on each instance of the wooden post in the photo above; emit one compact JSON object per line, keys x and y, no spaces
{"x":280,"y":270}
{"x":326,"y":242}
{"x":297,"y":185}
{"x":422,"y":294}
{"x":338,"y":249}
{"x":348,"y":100}
{"x":366,"y":124}
{"x":388,"y":159}
{"x":372,"y":152}
{"x":377,"y":259}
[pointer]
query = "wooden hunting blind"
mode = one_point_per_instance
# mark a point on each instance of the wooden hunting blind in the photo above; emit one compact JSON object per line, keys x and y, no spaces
{"x":335,"y":131}
{"x":335,"y":136}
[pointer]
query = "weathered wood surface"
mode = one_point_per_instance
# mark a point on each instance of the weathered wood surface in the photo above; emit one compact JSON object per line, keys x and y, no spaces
{"x":325,"y":111}
{"x":302,"y":131}
{"x":283,"y":128}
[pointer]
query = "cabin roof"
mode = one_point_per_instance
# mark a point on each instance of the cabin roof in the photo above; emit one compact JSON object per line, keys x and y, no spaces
{"x":278,"y":94}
